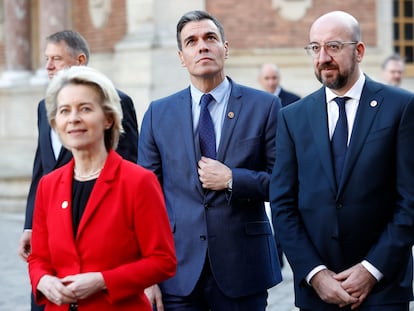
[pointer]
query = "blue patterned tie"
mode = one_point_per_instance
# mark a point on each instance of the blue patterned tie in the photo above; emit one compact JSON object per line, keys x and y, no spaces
{"x":340,"y":138}
{"x":206,"y":128}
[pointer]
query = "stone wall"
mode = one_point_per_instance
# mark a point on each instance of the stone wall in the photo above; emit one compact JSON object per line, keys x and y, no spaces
{"x":133,"y":42}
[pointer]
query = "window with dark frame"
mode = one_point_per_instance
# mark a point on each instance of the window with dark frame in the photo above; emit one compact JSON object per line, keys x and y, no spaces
{"x":403,"y":32}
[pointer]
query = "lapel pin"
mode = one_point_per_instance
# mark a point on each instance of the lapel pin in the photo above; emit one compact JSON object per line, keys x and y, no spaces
{"x":65,"y":204}
{"x":230,"y":115}
{"x":373,"y":103}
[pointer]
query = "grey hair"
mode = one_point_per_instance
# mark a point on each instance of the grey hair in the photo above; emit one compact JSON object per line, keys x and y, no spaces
{"x":393,"y":57}
{"x":75,"y":42}
{"x":83,"y":75}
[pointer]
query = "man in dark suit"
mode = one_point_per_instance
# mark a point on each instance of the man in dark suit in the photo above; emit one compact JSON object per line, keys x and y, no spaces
{"x":269,"y":79}
{"x":346,"y":217}
{"x":226,"y":253}
{"x":64,"y":49}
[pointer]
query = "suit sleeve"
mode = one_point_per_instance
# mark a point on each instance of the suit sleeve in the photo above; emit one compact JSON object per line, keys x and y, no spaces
{"x":148,"y":153}
{"x":398,"y":236}
{"x":128,"y":142}
{"x":284,"y":202}
{"x":37,"y":173}
{"x":254,"y":184}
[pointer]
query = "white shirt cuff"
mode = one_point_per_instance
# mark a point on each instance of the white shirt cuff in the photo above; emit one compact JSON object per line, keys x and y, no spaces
{"x":371,"y":269}
{"x":313,"y":272}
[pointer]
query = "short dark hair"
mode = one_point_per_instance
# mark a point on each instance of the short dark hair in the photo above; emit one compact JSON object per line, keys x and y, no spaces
{"x":195,"y":16}
{"x":75,"y":42}
{"x":393,"y":57}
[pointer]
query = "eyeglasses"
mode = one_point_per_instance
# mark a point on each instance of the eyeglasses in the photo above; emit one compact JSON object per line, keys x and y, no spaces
{"x":332,"y":48}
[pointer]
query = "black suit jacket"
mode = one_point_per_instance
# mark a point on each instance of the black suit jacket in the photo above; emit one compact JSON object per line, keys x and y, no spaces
{"x":45,"y":162}
{"x":287,"y":98}
{"x":369,"y":215}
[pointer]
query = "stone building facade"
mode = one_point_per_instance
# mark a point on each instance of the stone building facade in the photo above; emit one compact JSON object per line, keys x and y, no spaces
{"x":133,"y":42}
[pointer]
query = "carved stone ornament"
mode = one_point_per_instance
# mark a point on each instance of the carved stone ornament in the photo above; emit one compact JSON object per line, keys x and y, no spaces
{"x":99,"y":11}
{"x":292,"y":9}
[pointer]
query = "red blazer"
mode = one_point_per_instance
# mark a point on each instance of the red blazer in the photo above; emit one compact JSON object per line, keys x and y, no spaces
{"x":124,"y":233}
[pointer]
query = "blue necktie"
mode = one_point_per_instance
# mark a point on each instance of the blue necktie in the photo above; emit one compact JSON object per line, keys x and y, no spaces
{"x":340,"y":138}
{"x":206,"y":128}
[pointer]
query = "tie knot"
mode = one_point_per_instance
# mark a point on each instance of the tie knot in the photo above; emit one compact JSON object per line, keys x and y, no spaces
{"x":205,"y":100}
{"x":341,"y":101}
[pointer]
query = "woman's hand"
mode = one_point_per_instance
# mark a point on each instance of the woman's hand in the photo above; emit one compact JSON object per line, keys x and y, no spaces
{"x":55,"y":291}
{"x":84,"y":285}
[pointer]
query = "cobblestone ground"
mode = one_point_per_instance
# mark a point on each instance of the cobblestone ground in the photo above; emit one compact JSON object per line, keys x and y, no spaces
{"x":15,"y":286}
{"x":14,"y":281}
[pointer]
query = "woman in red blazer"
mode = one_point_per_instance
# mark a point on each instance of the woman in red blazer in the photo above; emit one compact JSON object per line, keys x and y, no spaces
{"x":101,"y":234}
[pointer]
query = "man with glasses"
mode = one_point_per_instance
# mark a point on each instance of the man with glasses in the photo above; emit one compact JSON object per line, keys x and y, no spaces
{"x":342,"y":185}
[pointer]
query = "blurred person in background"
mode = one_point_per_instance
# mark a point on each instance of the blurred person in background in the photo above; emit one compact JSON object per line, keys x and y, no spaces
{"x":393,"y":69}
{"x":269,"y":79}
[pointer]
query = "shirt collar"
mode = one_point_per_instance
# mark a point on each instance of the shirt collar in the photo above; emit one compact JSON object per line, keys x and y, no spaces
{"x":354,"y":92}
{"x":218,"y":93}
{"x":277,"y":91}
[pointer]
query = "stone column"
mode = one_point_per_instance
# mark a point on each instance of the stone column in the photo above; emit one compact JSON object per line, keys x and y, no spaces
{"x":150,"y":42}
{"x":53,"y":17}
{"x":17,"y":43}
{"x":136,"y":45}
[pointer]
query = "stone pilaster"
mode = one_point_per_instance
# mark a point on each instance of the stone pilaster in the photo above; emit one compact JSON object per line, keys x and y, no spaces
{"x":150,"y":42}
{"x":17,"y":43}
{"x":53,"y":17}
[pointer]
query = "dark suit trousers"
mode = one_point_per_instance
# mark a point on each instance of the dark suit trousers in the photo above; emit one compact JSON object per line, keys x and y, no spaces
{"x":208,"y":296}
{"x":35,"y":306}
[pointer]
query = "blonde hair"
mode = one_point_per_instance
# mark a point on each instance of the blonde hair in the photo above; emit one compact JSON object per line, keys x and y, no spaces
{"x":83,"y":75}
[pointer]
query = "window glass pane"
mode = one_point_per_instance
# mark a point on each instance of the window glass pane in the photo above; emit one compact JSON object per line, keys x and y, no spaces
{"x":396,"y":31}
{"x":397,"y":49}
{"x":395,"y":8}
{"x":408,"y":31}
{"x":408,"y":8}
{"x":409,"y":58}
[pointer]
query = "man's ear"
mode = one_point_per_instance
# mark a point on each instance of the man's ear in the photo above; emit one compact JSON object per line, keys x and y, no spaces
{"x":360,"y":51}
{"x":181,"y":57}
{"x":81,"y":59}
{"x":226,"y":50}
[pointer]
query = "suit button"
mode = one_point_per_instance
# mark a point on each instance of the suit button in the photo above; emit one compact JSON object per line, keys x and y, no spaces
{"x":203,"y":237}
{"x":339,"y":205}
{"x":206,"y":206}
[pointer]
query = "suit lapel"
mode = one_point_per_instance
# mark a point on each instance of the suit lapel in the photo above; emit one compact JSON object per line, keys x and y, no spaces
{"x":233,"y":111}
{"x":318,"y":120}
{"x":368,"y":107}
{"x":184,"y":120}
